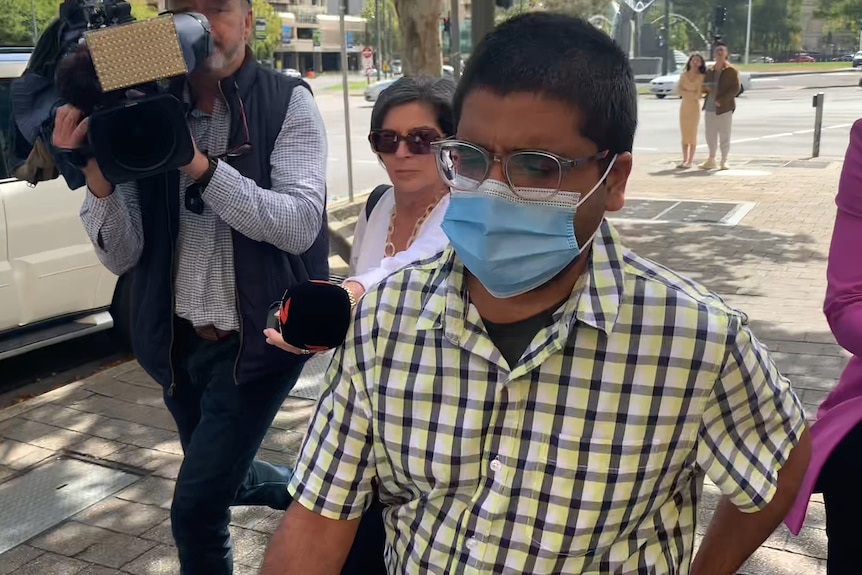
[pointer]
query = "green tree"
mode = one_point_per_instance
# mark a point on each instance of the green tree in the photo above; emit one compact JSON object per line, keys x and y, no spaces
{"x":141,"y":10}
{"x":387,"y":9}
{"x":16,"y":20}
{"x":264,"y":48}
{"x":841,"y":15}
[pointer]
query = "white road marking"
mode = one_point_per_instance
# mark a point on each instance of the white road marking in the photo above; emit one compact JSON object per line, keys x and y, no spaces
{"x":782,"y":135}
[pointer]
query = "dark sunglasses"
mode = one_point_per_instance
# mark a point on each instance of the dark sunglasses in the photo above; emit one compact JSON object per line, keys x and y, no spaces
{"x":194,"y":201}
{"x":418,"y":140}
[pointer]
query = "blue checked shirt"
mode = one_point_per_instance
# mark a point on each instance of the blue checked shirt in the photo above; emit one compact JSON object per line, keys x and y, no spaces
{"x":587,"y":456}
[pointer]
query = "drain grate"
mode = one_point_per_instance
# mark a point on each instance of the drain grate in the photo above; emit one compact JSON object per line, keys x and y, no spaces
{"x":683,"y":211}
{"x":807,"y":164}
{"x":774,"y":163}
{"x":311,"y":379}
{"x":767,"y":163}
{"x":51,"y":493}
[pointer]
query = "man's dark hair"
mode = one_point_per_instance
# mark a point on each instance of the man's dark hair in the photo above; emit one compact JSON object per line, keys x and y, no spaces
{"x":563,"y":58}
{"x":435,"y":91}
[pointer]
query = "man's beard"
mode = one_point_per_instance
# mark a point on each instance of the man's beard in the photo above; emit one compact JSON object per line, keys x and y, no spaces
{"x":220,"y":59}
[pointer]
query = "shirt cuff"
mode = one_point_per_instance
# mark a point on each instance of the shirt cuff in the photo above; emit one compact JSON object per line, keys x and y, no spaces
{"x":300,"y":493}
{"x":226,"y":179}
{"x":96,"y":211}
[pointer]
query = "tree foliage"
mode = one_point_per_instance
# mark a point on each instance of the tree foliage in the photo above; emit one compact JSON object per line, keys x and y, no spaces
{"x":387,"y":10}
{"x":264,"y":48}
{"x":842,"y":16}
{"x":16,"y":20}
{"x":775,"y":24}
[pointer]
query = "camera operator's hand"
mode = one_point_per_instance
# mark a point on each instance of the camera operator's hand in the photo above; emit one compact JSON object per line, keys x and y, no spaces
{"x":70,"y":133}
{"x":70,"y":128}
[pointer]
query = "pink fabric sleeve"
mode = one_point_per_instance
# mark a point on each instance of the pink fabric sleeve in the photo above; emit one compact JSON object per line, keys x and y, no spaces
{"x":843,"y":306}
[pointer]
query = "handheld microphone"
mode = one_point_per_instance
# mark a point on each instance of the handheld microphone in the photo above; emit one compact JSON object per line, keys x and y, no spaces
{"x":313,"y":315}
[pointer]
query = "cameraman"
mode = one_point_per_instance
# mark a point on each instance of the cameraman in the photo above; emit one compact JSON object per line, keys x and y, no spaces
{"x":208,"y":248}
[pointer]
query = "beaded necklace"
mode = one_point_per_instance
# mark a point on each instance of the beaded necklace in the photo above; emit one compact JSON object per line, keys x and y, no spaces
{"x":389,"y":246}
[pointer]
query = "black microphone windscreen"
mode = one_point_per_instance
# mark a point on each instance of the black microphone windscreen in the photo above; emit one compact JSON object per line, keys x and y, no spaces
{"x":315,"y":315}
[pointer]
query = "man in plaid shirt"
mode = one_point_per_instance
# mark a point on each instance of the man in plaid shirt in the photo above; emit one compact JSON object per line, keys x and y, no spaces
{"x":538,"y":399}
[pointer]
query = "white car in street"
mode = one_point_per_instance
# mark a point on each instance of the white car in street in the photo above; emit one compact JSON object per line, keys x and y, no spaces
{"x":52,"y":286}
{"x":666,"y":85}
{"x":373,"y":91}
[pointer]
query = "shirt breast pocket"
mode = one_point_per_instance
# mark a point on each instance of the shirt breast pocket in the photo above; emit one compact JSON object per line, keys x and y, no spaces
{"x":591,"y":490}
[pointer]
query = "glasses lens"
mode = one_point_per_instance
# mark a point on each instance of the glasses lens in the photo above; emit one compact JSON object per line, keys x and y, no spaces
{"x":384,"y":141}
{"x":535,"y":170}
{"x":461,"y":165}
{"x":419,"y":140}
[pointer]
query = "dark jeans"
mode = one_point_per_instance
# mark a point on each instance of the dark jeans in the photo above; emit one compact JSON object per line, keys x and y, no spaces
{"x":839,"y":481}
{"x":221,"y":426}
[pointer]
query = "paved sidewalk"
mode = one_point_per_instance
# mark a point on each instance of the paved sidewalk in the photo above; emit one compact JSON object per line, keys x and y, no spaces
{"x":771,"y":264}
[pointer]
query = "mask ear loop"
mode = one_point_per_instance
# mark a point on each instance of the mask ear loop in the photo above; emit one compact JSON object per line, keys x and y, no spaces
{"x":586,"y":197}
{"x":599,"y":183}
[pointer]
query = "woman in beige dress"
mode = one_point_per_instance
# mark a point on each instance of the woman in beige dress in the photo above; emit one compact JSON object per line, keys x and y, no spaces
{"x":690,"y":89}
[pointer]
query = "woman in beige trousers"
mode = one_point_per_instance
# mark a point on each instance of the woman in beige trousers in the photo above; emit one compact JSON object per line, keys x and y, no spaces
{"x":690,"y":89}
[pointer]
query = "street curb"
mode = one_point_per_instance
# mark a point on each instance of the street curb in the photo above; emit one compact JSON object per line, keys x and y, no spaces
{"x":800,"y":73}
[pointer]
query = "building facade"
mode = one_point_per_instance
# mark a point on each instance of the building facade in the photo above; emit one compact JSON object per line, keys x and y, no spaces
{"x":311,"y":38}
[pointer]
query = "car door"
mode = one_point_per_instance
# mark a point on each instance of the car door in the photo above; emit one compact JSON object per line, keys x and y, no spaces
{"x":49,"y":267}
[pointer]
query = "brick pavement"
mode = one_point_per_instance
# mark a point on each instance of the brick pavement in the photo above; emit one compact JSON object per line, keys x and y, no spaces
{"x":772,"y":265}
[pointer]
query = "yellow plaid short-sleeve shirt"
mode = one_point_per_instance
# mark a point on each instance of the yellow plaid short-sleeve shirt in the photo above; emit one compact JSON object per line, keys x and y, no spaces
{"x":586,"y":457}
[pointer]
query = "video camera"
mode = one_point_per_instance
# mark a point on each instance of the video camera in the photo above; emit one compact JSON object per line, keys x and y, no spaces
{"x":116,"y":70}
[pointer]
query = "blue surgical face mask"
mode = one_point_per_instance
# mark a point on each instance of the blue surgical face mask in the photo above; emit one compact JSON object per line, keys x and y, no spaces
{"x":514,"y":244}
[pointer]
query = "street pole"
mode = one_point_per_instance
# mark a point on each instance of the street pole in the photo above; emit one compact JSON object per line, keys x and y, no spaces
{"x":344,"y":90}
{"x":482,"y":19}
{"x":817,"y":103}
{"x":455,"y":39}
{"x":35,"y":29}
{"x":379,"y":43}
{"x":668,"y":52}
{"x":748,"y":33}
{"x":389,"y":42}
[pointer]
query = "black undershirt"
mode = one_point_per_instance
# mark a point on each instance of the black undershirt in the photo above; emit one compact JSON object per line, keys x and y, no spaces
{"x":512,"y":339}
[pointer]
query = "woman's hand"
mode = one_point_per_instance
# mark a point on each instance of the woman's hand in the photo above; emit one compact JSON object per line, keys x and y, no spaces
{"x":355,"y":288}
{"x":274,"y":338}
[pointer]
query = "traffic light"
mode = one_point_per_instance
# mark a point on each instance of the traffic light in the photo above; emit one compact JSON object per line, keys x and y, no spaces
{"x":446,"y":26}
{"x":720,"y":16}
{"x":503,"y":3}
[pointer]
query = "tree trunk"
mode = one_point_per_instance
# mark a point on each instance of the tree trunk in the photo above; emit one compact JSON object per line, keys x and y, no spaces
{"x":420,"y":35}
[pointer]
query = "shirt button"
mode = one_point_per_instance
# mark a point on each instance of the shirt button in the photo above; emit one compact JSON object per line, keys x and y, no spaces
{"x":471,"y":543}
{"x":496,"y":465}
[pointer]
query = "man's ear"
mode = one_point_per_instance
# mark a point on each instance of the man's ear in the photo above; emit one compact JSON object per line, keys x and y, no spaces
{"x":615,"y":184}
{"x":249,"y":21}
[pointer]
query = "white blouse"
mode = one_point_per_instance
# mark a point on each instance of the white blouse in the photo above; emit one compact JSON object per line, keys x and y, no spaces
{"x":368,"y":265}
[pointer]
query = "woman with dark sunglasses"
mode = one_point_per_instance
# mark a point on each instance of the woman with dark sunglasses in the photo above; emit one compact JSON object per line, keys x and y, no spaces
{"x":403,"y":225}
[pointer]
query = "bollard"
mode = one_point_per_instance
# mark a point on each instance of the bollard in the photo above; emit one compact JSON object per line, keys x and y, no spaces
{"x":817,"y":104}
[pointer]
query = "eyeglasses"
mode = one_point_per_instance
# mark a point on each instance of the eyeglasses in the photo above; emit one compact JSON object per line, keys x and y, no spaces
{"x":464,"y":166}
{"x":418,"y":140}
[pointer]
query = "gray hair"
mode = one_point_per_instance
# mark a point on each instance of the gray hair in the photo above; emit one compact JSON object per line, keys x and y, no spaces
{"x":436,"y":91}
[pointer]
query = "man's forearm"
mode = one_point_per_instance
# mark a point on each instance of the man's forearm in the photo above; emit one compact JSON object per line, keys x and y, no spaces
{"x":308,"y":544}
{"x":114,"y":226}
{"x":733,"y":536}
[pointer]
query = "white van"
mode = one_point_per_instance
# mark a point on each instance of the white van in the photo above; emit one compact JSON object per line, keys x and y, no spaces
{"x":52,"y":286}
